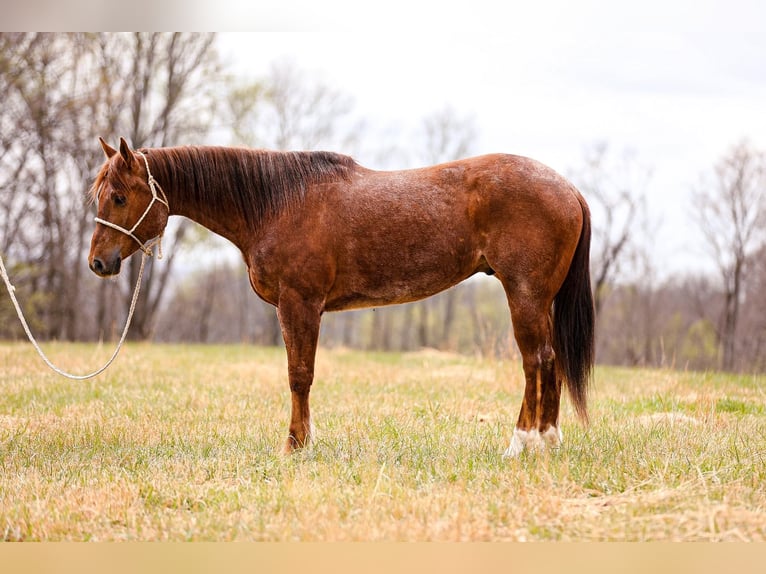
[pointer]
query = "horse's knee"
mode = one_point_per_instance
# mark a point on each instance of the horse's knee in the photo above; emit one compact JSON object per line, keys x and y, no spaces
{"x":300,"y":386}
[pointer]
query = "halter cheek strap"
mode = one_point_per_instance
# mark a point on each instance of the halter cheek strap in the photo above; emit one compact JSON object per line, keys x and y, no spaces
{"x":157,"y":196}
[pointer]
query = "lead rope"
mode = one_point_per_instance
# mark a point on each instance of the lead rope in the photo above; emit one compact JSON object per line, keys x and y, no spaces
{"x":40,"y":352}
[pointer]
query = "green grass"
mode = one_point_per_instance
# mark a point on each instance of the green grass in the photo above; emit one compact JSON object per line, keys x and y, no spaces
{"x":184,"y":443}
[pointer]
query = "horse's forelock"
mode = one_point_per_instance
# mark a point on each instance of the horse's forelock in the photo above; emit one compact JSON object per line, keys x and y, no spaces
{"x":95,"y":189}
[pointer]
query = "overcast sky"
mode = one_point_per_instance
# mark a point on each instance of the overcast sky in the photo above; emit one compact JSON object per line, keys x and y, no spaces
{"x":678,"y":83}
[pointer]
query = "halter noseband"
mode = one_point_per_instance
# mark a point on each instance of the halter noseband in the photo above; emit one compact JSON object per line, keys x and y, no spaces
{"x":160,"y":197}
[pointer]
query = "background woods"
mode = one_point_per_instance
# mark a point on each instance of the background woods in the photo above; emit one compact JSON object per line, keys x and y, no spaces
{"x":61,"y":91}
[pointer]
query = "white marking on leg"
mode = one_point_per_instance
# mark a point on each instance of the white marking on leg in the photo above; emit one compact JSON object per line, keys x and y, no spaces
{"x":310,"y":434}
{"x":533,"y":440}
{"x":518,"y":440}
{"x":523,"y":439}
{"x":553,"y":437}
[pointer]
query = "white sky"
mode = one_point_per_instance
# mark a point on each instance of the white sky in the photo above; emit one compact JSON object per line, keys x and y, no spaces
{"x":676,"y":82}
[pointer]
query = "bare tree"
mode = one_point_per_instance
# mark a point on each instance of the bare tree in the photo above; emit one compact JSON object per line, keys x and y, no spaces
{"x":163,"y":86}
{"x":291,"y":109}
{"x":616,"y":193}
{"x":59,"y":92}
{"x":304,"y":112}
{"x":45,"y":86}
{"x":731,"y":213}
{"x":15,"y":50}
{"x":447,"y":136}
{"x":752,"y":331}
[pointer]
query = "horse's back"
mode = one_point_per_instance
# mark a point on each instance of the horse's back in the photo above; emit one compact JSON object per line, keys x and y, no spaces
{"x":404,"y":235}
{"x":472,"y":197}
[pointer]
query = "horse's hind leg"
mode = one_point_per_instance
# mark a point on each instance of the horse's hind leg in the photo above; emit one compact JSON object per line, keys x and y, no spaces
{"x":538,"y":420}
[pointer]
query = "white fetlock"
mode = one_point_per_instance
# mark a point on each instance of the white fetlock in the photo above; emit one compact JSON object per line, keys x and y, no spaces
{"x":523,"y":439}
{"x":533,"y":440}
{"x":553,"y":437}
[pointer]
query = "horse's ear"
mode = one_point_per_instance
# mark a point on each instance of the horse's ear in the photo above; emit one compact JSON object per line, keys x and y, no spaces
{"x":108,"y":150}
{"x":126,"y":152}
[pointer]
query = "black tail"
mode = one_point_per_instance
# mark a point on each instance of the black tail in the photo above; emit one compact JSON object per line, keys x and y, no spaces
{"x":574,"y":322}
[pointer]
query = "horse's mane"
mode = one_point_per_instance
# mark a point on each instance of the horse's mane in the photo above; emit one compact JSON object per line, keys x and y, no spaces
{"x":255,"y":183}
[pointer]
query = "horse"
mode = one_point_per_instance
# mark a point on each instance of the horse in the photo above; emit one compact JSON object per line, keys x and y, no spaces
{"x":318,"y":233}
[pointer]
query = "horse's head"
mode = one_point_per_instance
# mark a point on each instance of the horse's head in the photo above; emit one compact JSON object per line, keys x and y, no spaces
{"x":132,"y":209}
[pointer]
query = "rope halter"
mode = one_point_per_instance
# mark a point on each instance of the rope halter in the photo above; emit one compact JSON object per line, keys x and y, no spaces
{"x":157,"y":196}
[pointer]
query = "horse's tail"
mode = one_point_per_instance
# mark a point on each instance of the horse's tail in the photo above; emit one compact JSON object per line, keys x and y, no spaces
{"x":574,"y":322}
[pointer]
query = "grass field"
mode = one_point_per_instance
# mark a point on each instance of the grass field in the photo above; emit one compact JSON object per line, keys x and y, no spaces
{"x":184,"y":443}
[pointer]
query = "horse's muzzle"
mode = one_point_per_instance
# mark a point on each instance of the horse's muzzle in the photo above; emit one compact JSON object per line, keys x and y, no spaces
{"x":106,"y":268}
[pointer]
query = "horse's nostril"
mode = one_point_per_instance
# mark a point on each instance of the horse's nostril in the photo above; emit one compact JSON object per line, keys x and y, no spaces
{"x":106,"y":268}
{"x":97,"y":266}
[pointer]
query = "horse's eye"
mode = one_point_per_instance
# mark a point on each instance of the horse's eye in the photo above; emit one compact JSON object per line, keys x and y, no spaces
{"x":119,"y":200}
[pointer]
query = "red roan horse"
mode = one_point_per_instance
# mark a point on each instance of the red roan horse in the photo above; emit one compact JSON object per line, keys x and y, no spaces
{"x":318,"y":233}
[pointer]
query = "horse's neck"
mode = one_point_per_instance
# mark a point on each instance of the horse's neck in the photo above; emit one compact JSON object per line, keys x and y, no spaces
{"x":221,"y":224}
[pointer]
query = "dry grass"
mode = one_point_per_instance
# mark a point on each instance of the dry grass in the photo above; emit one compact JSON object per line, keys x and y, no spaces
{"x":183,"y":443}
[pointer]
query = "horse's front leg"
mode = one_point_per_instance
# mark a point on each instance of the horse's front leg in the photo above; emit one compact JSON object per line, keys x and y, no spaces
{"x":299,"y":319}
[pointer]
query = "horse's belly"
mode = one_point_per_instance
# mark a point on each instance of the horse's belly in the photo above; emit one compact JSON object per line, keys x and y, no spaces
{"x":397,"y":281}
{"x":392,"y":295}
